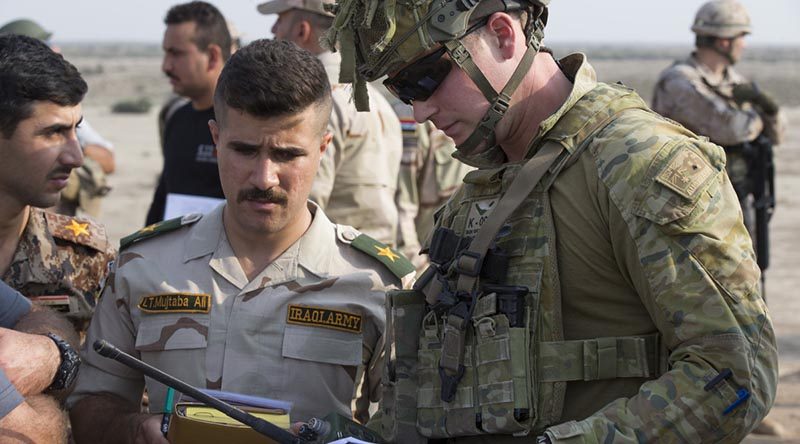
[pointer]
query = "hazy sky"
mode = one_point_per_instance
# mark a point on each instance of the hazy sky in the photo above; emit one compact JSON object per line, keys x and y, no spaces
{"x":613,"y":21}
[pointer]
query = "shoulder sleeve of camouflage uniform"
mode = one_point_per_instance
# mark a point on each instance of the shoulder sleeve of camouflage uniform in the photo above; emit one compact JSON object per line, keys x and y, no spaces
{"x":393,"y":261}
{"x":78,"y":230}
{"x":683,"y":96}
{"x":158,"y":228}
{"x":696,"y":274}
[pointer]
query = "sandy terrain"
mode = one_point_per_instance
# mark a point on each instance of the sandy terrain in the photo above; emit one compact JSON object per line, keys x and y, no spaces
{"x":139,"y":161}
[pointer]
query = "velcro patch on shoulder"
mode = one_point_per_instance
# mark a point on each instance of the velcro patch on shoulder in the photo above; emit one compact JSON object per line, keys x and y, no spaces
{"x":78,"y":231}
{"x":175,"y":303}
{"x":158,"y":228}
{"x":389,"y":257}
{"x":686,"y":173}
{"x":323,"y":317}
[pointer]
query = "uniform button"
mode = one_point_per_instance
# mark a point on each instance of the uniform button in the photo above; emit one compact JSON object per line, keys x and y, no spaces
{"x":350,"y":235}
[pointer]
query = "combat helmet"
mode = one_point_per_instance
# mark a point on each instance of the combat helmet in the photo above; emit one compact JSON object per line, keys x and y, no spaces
{"x":381,"y":36}
{"x":725,"y":19}
{"x":26,"y":27}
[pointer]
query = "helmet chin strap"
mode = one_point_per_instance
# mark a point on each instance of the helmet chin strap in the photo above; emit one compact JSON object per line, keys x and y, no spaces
{"x":499,"y":102}
{"x":727,"y":54}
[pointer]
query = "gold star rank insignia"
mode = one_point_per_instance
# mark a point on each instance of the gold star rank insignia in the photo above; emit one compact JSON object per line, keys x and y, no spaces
{"x":387,"y":252}
{"x":77,"y":228}
{"x":148,"y":228}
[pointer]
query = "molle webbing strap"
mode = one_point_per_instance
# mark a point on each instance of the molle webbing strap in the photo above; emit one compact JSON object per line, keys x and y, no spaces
{"x":601,"y":358}
{"x":469,"y":263}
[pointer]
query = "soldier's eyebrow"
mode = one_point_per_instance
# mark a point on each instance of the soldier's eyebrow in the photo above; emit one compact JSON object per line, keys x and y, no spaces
{"x":241,"y":145}
{"x":58,"y":127}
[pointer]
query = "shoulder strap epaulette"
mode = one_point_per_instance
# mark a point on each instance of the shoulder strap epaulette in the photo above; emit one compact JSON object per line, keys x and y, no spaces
{"x":395,"y":262}
{"x":78,"y":230}
{"x":158,"y":228}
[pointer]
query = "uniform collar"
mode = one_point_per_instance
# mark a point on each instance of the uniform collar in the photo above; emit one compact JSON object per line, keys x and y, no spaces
{"x":312,"y":252}
{"x":708,"y":76}
{"x":575,"y":66}
{"x":36,"y":242}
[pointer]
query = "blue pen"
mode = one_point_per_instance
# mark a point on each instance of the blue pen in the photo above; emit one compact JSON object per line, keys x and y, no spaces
{"x":167,"y":411}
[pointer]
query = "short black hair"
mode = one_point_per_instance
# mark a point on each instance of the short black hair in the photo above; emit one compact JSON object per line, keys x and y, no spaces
{"x":270,"y":78}
{"x":211,"y":25}
{"x":29,"y":72}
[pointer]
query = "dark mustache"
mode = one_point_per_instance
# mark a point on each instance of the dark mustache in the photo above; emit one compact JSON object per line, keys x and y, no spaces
{"x":59,"y":171}
{"x":270,"y":195}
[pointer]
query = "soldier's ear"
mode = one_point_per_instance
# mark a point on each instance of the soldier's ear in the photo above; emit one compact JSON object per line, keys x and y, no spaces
{"x":214,"y":57}
{"x":326,"y":140}
{"x":214,"y":128}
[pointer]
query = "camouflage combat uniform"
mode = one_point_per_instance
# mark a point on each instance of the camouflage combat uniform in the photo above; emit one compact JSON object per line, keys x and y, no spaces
{"x":695,"y":97}
{"x":357,"y":177}
{"x":642,"y":318}
{"x":429,"y":175}
{"x":61,"y":256}
{"x":308,"y":329}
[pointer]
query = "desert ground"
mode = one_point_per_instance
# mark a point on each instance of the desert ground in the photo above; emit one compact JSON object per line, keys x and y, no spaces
{"x":117,"y":72}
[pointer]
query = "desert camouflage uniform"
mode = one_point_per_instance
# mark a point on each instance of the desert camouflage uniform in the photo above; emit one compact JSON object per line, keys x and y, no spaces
{"x":357,"y":178}
{"x":643,"y":320}
{"x":60,"y":255}
{"x":429,"y":175}
{"x":222,"y":331}
{"x":693,"y":96}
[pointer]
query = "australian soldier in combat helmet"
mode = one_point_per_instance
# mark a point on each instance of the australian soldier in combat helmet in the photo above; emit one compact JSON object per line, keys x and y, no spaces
{"x":592,"y":281}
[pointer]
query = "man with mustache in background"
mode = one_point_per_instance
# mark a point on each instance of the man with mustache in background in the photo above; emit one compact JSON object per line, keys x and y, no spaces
{"x":57,"y":259}
{"x":264,"y":295}
{"x":197,"y":43}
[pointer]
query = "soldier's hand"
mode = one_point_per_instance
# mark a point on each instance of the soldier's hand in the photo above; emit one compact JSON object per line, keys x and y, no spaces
{"x":749,"y":92}
{"x":30,"y":361}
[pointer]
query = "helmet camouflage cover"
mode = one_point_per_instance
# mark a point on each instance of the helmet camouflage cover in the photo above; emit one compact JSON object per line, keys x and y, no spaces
{"x":721,"y":18}
{"x":380,"y":36}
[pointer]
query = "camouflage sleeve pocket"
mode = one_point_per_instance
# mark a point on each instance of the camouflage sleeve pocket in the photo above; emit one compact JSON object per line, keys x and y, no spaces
{"x":678,"y":177}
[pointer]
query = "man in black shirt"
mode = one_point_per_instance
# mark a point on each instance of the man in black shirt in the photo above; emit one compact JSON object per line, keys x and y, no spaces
{"x":196,"y":45}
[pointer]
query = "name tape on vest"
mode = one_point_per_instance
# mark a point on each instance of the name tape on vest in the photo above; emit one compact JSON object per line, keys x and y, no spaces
{"x":323,"y":317}
{"x":176,"y":303}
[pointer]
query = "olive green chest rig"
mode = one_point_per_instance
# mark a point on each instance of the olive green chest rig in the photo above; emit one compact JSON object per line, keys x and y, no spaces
{"x":478,"y":347}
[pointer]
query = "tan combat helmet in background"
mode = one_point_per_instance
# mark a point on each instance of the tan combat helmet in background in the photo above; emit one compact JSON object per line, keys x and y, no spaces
{"x":724,"y":19}
{"x":377,"y":37}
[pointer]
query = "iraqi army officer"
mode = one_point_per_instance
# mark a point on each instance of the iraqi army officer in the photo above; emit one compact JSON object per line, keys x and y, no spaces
{"x":263,"y":296}
{"x":357,"y":178}
{"x":592,"y":281}
{"x":57,"y":260}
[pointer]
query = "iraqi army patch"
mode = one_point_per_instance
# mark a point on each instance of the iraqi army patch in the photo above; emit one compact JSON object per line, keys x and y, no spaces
{"x":686,"y":173}
{"x":158,"y":228}
{"x":323,"y":317}
{"x":394,"y":261}
{"x":175,"y":303}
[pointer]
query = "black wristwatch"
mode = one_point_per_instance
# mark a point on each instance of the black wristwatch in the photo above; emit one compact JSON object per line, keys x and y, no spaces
{"x":70,"y":363}
{"x":543,"y":439}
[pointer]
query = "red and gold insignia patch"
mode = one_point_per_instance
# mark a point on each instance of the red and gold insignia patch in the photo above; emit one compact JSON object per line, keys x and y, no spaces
{"x":323,"y":317}
{"x":175,"y":303}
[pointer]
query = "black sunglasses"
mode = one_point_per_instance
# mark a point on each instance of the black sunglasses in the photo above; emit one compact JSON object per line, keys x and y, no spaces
{"x":419,"y":80}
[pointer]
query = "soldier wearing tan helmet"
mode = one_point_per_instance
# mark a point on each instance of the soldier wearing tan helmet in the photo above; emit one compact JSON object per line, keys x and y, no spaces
{"x":707,"y":95}
{"x":357,"y":179}
{"x":592,"y":280}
